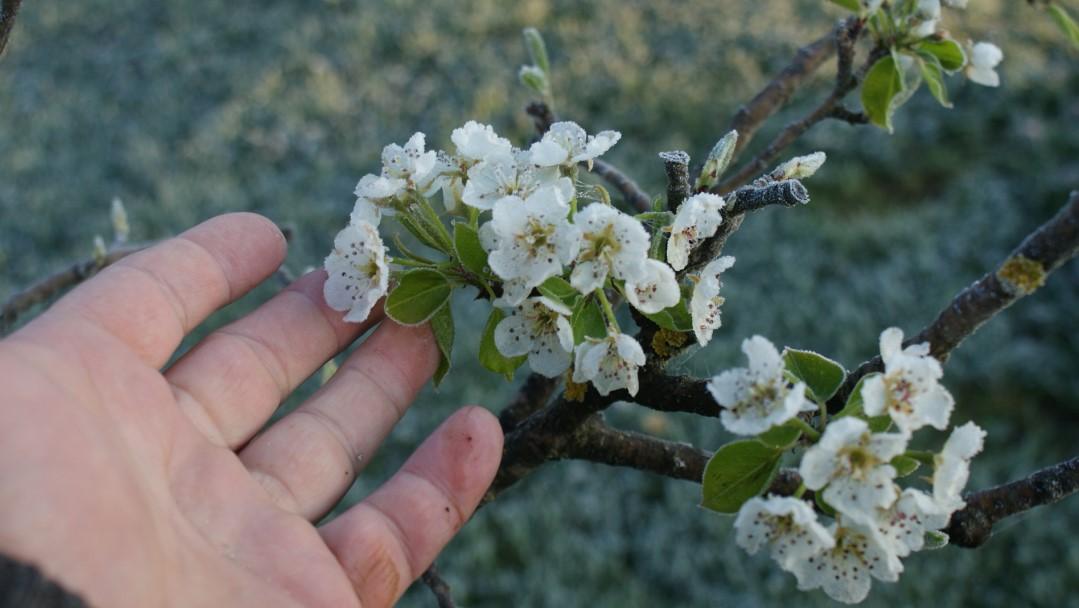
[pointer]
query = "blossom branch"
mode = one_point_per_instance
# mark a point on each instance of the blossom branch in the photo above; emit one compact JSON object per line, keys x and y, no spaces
{"x":973,"y":525}
{"x":439,"y":587}
{"x":676,"y":164}
{"x":8,"y":10}
{"x":1041,"y":252}
{"x":597,"y":442}
{"x":533,"y":395}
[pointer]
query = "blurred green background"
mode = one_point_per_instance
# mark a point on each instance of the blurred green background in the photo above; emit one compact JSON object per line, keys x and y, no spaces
{"x":187,"y":109}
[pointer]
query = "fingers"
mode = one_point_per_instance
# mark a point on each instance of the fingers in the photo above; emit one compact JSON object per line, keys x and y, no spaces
{"x":387,"y":541}
{"x":309,"y":458}
{"x":151,"y":299}
{"x":232,"y":381}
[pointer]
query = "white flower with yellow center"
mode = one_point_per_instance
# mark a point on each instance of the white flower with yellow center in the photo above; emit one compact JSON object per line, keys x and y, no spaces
{"x":539,"y":328}
{"x":845,"y":571}
{"x":697,"y":219}
{"x":505,"y":175}
{"x":612,"y":243}
{"x":531,"y":239}
{"x":909,"y":390}
{"x":410,"y":162}
{"x":952,"y":466}
{"x":655,"y":290}
{"x":357,"y":269}
{"x":853,"y":462}
{"x":609,"y":364}
{"x":566,"y":144}
{"x":475,"y":142}
{"x":705,"y":303}
{"x":375,"y":195}
{"x":984,"y":57}
{"x":756,"y":398}
{"x":787,"y":526}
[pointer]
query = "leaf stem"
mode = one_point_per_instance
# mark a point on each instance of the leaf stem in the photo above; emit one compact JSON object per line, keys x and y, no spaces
{"x":800,"y":491}
{"x":608,"y":311}
{"x":805,"y":427}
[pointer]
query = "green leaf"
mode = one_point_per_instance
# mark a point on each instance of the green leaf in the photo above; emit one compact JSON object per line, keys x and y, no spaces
{"x":934,"y":79}
{"x":656,"y":218}
{"x":1066,"y":23}
{"x":537,"y":49}
{"x":420,"y":231}
{"x":905,"y":465}
{"x":850,"y":5}
{"x":442,"y":327}
{"x":882,"y":84}
{"x":587,"y":321}
{"x":948,"y":52}
{"x":559,"y":290}
{"x":466,"y":241}
{"x":935,"y":539}
{"x":854,"y":407}
{"x":418,"y":296}
{"x":489,"y":355}
{"x":737,"y":472}
{"x":826,"y":508}
{"x":822,"y":375}
{"x":674,"y":318}
{"x":782,"y":437}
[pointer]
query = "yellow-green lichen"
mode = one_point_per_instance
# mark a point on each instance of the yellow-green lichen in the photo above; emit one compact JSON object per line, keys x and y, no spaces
{"x":1021,"y":274}
{"x":666,"y":342}
{"x":575,"y":391}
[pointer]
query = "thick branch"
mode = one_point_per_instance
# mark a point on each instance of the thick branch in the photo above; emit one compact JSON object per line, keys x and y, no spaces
{"x":676,"y":164}
{"x":533,"y":394}
{"x":972,"y":526}
{"x":8,"y":10}
{"x":1045,"y":249}
{"x":439,"y":587}
{"x":597,"y":442}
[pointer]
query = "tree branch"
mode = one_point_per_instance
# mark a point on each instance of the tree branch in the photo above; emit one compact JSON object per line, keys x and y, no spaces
{"x":533,"y":394}
{"x":1041,"y":252}
{"x":676,"y":164}
{"x":439,"y":587}
{"x":8,"y":10}
{"x":597,"y":442}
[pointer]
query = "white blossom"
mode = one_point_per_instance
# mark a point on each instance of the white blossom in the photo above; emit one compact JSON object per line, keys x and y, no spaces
{"x":788,"y":526}
{"x":756,"y":398}
{"x":800,"y":167}
{"x":705,"y":303}
{"x":506,"y":175}
{"x":567,"y":144}
{"x":609,"y":364}
{"x":984,"y":57}
{"x":476,"y":141}
{"x":357,"y":269}
{"x":532,"y":240}
{"x":448,"y":176}
{"x":844,"y":570}
{"x":909,"y":390}
{"x":952,"y":466}
{"x":375,"y":195}
{"x":612,"y":243}
{"x":409,"y":162}
{"x":697,"y":219}
{"x":540,"y":329}
{"x":926,"y":17}
{"x":853,"y":462}
{"x":656,"y":289}
{"x":905,"y":523}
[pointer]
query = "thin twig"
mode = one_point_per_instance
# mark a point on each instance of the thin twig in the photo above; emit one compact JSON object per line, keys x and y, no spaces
{"x":439,"y":587}
{"x":8,"y":10}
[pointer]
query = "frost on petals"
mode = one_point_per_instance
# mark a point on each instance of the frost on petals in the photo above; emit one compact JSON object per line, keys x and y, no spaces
{"x":909,"y":390}
{"x":539,"y":328}
{"x":853,"y":462}
{"x":475,"y":141}
{"x":984,"y":57}
{"x":705,"y":303}
{"x":756,"y":398}
{"x":357,"y":269}
{"x":375,"y":194}
{"x":697,"y":219}
{"x":952,"y":466}
{"x":566,"y":143}
{"x":410,"y":162}
{"x":505,"y":175}
{"x":609,"y":364}
{"x":844,"y":570}
{"x":655,"y":290}
{"x":788,"y":526}
{"x":612,"y":243}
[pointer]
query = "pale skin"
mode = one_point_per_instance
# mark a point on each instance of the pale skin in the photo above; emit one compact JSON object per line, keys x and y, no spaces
{"x":136,"y":484}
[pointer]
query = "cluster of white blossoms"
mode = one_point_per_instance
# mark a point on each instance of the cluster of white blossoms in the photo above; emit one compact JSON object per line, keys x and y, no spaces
{"x":852,"y":466}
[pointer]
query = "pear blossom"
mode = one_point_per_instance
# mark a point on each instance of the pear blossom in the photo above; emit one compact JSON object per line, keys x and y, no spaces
{"x":984,"y":57}
{"x":697,"y":219}
{"x":853,"y":462}
{"x":788,"y":526}
{"x":844,"y":570}
{"x":925,"y":19}
{"x":539,"y":328}
{"x":705,"y":303}
{"x":566,"y":144}
{"x":610,"y":363}
{"x":756,"y":398}
{"x":909,"y":390}
{"x":800,"y":167}
{"x":375,"y":195}
{"x":952,"y":466}
{"x":905,"y":523}
{"x":409,"y":162}
{"x":655,"y":290}
{"x":612,"y":243}
{"x":475,"y":141}
{"x":532,"y":240}
{"x":448,"y":176}
{"x":504,"y":175}
{"x":357,"y":269}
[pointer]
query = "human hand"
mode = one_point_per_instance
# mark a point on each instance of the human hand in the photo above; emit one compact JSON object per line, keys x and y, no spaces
{"x":139,"y":487}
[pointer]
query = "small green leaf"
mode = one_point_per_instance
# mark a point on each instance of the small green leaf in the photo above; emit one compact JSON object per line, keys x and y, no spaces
{"x":418,"y":296}
{"x":466,"y":241}
{"x":537,"y":49}
{"x":905,"y":465}
{"x":882,"y":84}
{"x":442,"y":327}
{"x":559,"y":290}
{"x":782,"y":437}
{"x":489,"y":355}
{"x":419,"y":231}
{"x":674,"y":318}
{"x":850,"y":5}
{"x":935,"y":539}
{"x":587,"y":321}
{"x":854,"y":407}
{"x":934,"y":79}
{"x":737,"y":472}
{"x":1065,"y":22}
{"x":948,"y":52}
{"x":822,"y":375}
{"x":826,"y":508}
{"x":656,"y":218}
